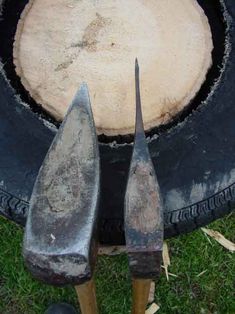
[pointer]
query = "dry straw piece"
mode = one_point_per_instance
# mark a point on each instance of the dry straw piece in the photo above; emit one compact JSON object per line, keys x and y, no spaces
{"x":220,"y":239}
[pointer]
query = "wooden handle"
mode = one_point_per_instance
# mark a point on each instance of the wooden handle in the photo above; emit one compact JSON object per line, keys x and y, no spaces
{"x":140,"y":295}
{"x":87,"y":297}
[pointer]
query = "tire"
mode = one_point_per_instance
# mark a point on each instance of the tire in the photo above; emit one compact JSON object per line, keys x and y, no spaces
{"x":193,"y":156}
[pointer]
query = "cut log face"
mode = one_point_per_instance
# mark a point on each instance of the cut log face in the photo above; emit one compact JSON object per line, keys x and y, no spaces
{"x":61,"y":43}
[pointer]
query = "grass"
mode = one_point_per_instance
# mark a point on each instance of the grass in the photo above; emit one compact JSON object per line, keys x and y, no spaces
{"x":210,"y":293}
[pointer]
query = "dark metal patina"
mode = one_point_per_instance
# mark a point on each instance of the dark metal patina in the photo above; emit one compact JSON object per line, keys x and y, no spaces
{"x":59,"y":242}
{"x":143,"y":205}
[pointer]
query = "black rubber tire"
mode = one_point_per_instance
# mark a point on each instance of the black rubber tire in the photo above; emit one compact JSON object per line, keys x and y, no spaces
{"x":194,"y":158}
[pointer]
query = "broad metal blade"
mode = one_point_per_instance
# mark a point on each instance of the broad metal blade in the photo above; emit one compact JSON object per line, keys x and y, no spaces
{"x":59,"y":242}
{"x":143,"y":205}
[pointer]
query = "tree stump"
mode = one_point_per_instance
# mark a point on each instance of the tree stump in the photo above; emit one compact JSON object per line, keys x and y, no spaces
{"x":61,"y":43}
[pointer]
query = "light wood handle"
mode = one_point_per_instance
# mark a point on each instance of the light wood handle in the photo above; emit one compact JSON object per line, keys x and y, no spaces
{"x":87,"y":297}
{"x":140,"y":295}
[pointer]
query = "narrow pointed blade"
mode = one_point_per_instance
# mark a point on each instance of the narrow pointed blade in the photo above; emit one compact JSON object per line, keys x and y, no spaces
{"x":60,"y":229}
{"x":143,"y":206}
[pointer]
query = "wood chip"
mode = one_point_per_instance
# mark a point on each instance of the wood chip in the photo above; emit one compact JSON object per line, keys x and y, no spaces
{"x":111,"y":250}
{"x":166,"y":259}
{"x":152,"y":309}
{"x":151,"y":292}
{"x":220,"y":239}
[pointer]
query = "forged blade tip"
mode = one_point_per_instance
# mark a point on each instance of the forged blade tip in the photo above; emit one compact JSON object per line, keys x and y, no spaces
{"x":82,"y":99}
{"x":83,"y":87}
{"x":136,"y":63}
{"x":82,"y":94}
{"x":139,"y":124}
{"x":136,"y":68}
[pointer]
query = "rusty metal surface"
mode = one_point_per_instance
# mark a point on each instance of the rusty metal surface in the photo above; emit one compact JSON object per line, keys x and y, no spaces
{"x":59,"y":243}
{"x":143,"y":205}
